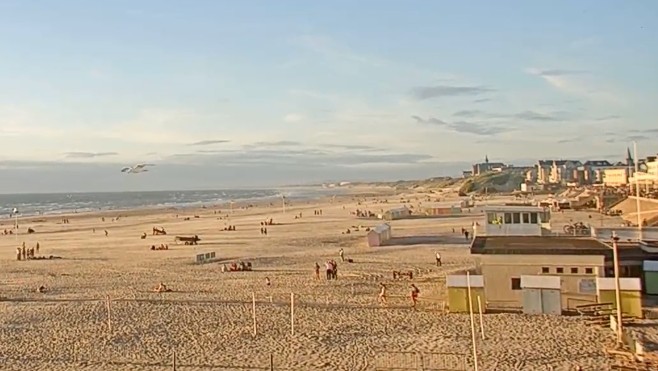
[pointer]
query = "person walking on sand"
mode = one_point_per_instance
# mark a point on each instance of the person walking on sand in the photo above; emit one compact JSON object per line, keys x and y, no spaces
{"x":106,"y":233}
{"x":341,"y":253}
{"x":317,"y":271}
{"x":37,"y":247}
{"x":438,"y":259}
{"x":329,"y":269}
{"x":382,"y":293}
{"x":414,"y":295}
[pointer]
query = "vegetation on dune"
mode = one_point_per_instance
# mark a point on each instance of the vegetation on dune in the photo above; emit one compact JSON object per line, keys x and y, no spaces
{"x":492,"y":182}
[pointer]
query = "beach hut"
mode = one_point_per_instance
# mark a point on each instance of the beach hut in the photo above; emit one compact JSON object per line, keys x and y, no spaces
{"x":458,"y":293}
{"x":398,"y":213}
{"x":650,"y":269}
{"x":378,"y":235}
{"x":631,"y":294}
{"x":541,"y":294}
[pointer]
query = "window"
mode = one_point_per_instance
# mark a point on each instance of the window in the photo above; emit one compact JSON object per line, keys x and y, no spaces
{"x":587,"y":285}
{"x":589,"y":270}
{"x":508,"y":218}
{"x":559,"y":270}
{"x":492,"y":218}
{"x":545,"y":270}
{"x":574,"y":270}
{"x":516,"y":218}
{"x":533,"y":218}
{"x":526,"y":218}
{"x":516,"y":284}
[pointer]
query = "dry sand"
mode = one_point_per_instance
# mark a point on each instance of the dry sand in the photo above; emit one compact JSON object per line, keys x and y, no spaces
{"x":207,"y":320}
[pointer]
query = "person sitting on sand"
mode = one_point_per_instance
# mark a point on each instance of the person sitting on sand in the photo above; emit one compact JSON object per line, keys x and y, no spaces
{"x":41,"y":289}
{"x":267,"y":281}
{"x":162,"y":288}
{"x":382,"y":293}
{"x":106,"y":233}
{"x":438,"y":259}
{"x":414,"y":295}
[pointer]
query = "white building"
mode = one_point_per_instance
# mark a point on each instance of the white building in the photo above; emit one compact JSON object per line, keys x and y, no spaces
{"x":515,"y":221}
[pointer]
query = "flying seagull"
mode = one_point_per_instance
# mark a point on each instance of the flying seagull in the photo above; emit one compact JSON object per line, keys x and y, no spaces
{"x":139,"y":168}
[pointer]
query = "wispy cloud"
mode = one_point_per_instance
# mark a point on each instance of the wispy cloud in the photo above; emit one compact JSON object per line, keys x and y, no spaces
{"x":209,"y":142}
{"x":608,"y":118}
{"x":465,"y":126}
{"x":573,"y":82}
{"x":89,"y":154}
{"x":293,"y":118}
{"x":279,"y":143}
{"x":329,"y":48}
{"x":522,"y":116}
{"x":440,"y":91}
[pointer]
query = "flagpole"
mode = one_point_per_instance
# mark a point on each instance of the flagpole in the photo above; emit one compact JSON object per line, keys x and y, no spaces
{"x":16,"y":224}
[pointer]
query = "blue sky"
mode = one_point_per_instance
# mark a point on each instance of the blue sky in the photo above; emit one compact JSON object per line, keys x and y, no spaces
{"x":298,"y":91}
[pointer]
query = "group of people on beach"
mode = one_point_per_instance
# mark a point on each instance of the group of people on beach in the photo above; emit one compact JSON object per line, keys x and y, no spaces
{"x":26,"y":253}
{"x":331,"y":268}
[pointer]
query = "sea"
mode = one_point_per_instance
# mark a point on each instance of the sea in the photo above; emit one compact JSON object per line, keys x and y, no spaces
{"x":62,"y":203}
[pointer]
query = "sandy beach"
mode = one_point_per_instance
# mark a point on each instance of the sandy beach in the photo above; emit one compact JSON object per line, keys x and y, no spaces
{"x":207,"y":318}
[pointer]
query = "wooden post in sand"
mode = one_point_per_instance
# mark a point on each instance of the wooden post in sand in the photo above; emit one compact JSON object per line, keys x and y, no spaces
{"x":481,"y":320}
{"x":271,"y":362}
{"x":470,"y":309}
{"x":253,"y":310}
{"x":109,"y":314}
{"x":173,"y":359}
{"x":292,"y":313}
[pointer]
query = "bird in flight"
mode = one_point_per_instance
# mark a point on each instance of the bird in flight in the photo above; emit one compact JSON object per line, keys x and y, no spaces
{"x":139,"y":168}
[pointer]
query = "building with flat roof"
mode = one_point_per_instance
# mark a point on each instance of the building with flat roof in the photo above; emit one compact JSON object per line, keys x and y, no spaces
{"x":504,"y":259}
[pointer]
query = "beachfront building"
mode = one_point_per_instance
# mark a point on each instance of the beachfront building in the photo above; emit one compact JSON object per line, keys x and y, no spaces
{"x":379,"y":235}
{"x":486,"y":167}
{"x":616,"y":176}
{"x":397,"y":213}
{"x":443,"y":210}
{"x":556,"y":171}
{"x":515,"y":221}
{"x":505,"y":259}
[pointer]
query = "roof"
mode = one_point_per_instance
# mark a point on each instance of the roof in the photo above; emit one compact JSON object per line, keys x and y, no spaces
{"x":597,"y":163}
{"x":397,"y":210}
{"x":557,"y":162}
{"x":538,"y":245}
{"x":381,"y":228}
{"x":515,"y":208}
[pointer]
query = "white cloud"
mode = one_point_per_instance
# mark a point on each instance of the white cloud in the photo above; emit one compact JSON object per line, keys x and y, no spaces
{"x":578,"y":84}
{"x":293,"y":118}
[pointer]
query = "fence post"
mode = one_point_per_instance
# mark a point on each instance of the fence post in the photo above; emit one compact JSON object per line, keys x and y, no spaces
{"x":422,"y":363}
{"x":271,"y":362}
{"x":173,"y":361}
{"x":109,"y":315}
{"x":292,"y":314}
{"x":253,"y":310}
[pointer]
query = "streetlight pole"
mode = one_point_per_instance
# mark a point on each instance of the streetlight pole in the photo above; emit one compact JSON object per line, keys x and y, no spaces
{"x":283,"y":200}
{"x":15,"y":212}
{"x":637,"y":191}
{"x":615,"y":257}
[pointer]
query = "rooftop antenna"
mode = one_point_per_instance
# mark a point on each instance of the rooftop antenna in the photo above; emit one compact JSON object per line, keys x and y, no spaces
{"x":637,"y":193}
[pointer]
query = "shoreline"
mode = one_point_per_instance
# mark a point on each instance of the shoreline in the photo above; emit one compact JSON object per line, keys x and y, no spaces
{"x":243,"y":204}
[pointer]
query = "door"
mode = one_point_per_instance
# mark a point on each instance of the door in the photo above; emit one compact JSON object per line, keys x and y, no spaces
{"x":532,"y":302}
{"x":551,"y":302}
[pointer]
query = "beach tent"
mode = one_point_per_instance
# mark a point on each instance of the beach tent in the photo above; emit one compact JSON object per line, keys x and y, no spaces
{"x":458,"y":293}
{"x":631,"y":294}
{"x":541,"y":294}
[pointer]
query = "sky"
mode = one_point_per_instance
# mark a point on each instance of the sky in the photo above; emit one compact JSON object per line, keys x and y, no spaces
{"x":226,"y":94}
